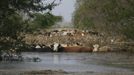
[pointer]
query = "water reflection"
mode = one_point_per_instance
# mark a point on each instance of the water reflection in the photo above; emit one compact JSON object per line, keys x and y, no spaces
{"x":98,"y":62}
{"x":56,"y":59}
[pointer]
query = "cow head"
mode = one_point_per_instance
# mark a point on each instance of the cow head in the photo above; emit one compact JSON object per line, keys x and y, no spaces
{"x":55,"y":47}
{"x":96,"y":46}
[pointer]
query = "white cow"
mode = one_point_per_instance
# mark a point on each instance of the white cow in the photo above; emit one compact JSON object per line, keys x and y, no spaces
{"x":96,"y":46}
{"x":55,"y":46}
{"x":37,"y":46}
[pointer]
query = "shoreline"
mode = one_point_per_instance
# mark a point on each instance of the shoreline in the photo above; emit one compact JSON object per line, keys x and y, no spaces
{"x":61,"y":72}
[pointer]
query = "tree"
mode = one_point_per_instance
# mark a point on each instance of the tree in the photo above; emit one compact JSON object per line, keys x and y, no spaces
{"x":111,"y":16}
{"x":120,"y":17}
{"x":13,"y":24}
{"x":42,"y":21}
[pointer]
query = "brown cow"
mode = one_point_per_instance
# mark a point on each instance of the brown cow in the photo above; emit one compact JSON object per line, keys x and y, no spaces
{"x":59,"y":48}
{"x":75,"y":49}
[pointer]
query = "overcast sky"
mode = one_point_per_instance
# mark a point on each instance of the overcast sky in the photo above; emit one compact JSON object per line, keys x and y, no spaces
{"x":65,"y":9}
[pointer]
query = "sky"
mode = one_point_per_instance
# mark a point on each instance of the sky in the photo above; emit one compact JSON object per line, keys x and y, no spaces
{"x":65,"y":9}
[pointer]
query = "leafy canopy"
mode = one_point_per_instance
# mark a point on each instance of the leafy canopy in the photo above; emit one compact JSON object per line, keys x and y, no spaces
{"x":15,"y":16}
{"x":110,"y":16}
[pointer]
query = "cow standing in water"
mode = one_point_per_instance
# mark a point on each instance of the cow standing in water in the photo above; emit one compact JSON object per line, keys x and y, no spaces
{"x":75,"y":49}
{"x":58,"y":48}
{"x":40,"y":48}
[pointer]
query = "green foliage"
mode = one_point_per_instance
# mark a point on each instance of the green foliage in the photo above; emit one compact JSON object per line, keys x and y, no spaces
{"x":12,"y":23}
{"x":41,"y":21}
{"x":112,"y":16}
{"x":81,"y":18}
{"x":10,"y":32}
{"x":119,"y":15}
{"x":128,"y":29}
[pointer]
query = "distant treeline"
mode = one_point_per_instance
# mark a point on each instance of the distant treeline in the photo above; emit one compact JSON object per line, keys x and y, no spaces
{"x":43,"y":21}
{"x":111,"y":16}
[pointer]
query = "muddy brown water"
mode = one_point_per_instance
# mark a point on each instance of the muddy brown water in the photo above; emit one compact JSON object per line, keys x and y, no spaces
{"x":74,"y":62}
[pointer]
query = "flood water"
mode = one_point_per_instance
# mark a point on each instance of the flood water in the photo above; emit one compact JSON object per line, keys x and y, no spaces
{"x":74,"y":62}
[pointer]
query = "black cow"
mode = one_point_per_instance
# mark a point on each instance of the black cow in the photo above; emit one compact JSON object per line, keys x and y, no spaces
{"x":40,"y":48}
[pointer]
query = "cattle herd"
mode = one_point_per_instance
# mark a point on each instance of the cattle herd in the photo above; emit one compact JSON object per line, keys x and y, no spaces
{"x":56,"y":46}
{"x":65,"y":37}
{"x":64,"y":40}
{"x":70,"y":32}
{"x":12,"y":55}
{"x":68,"y":41}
